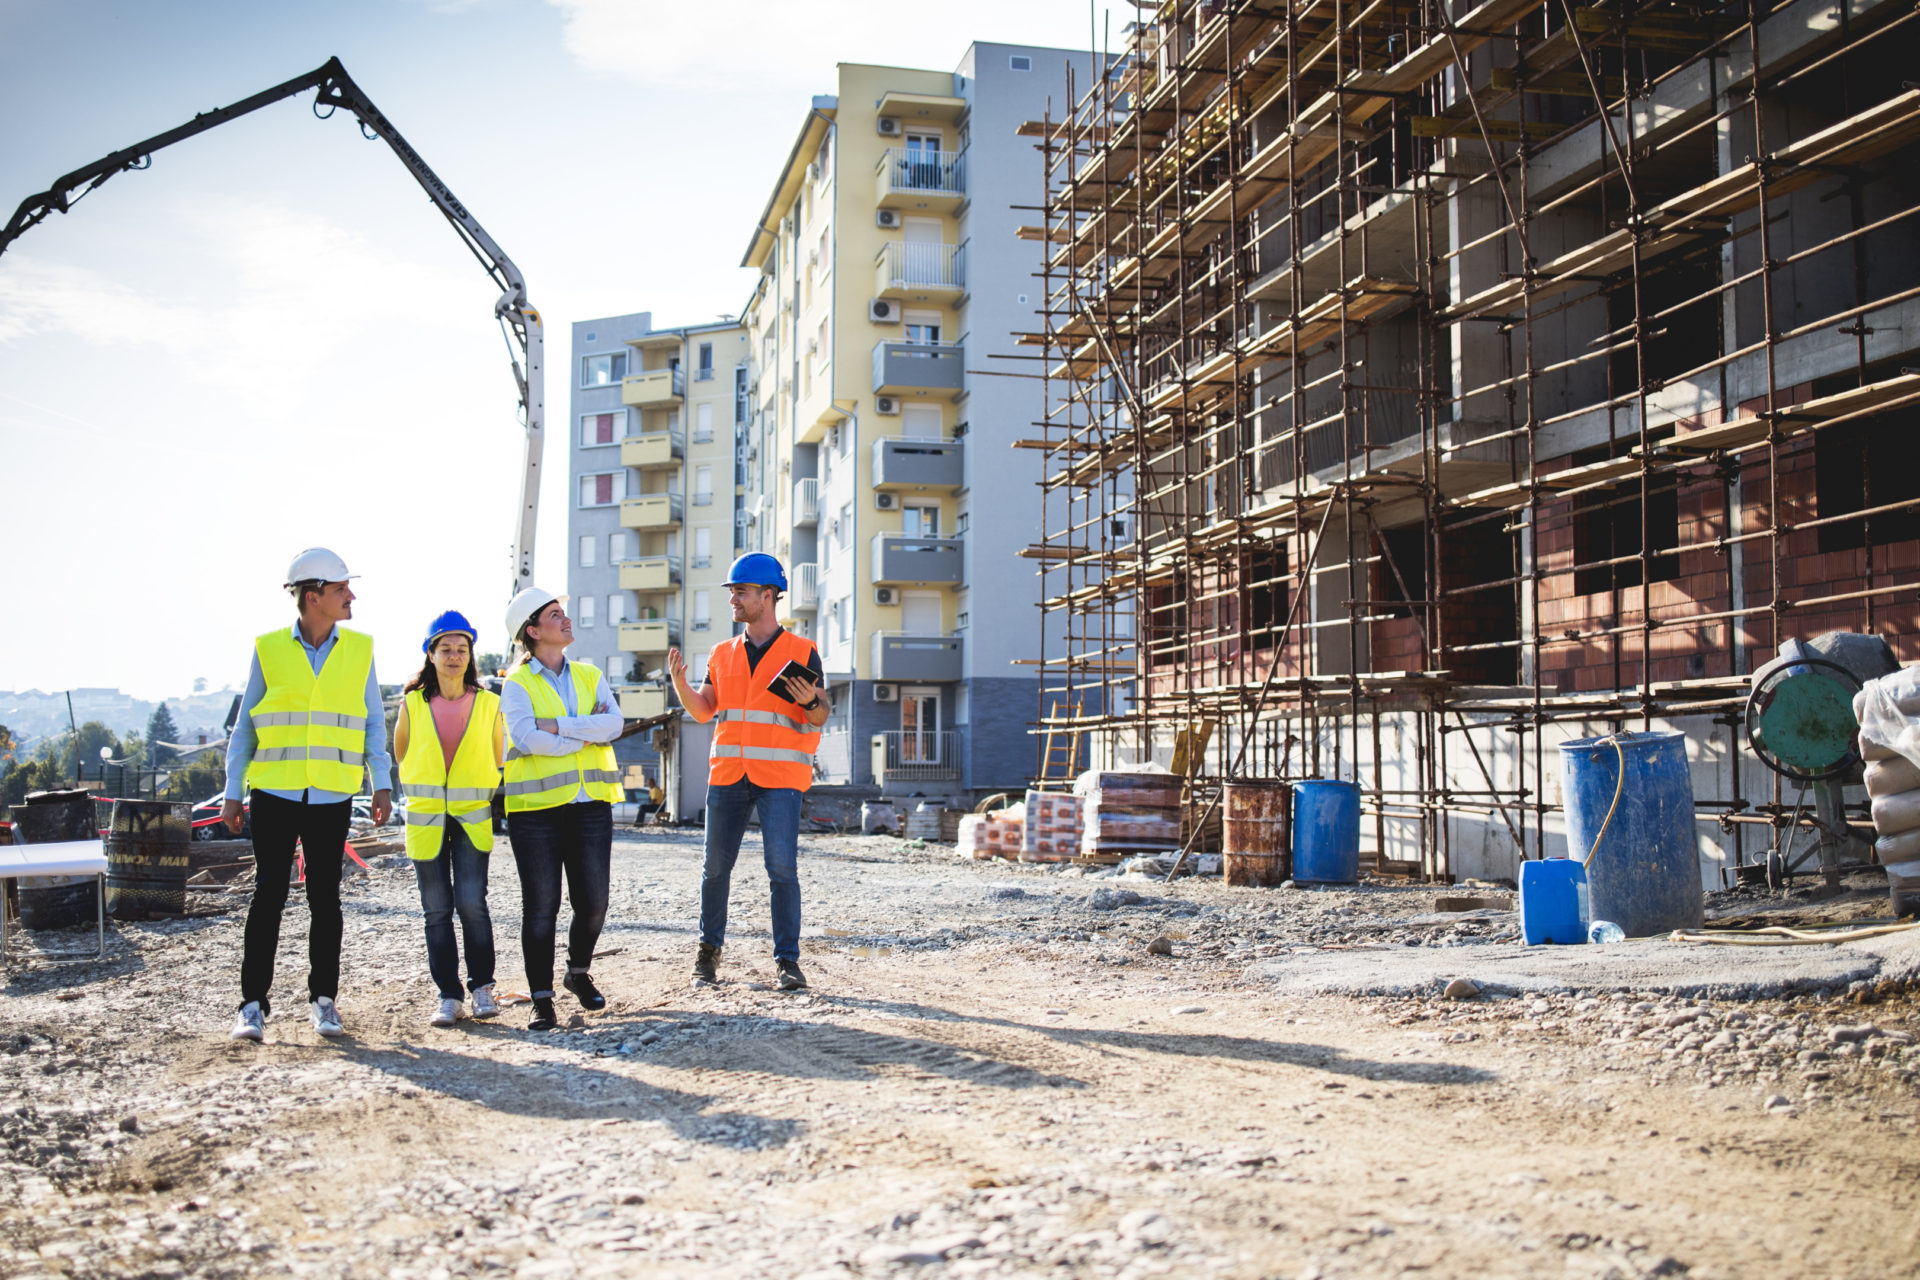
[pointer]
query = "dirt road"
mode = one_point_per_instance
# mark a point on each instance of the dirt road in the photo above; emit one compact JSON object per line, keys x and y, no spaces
{"x":991,"y":1077}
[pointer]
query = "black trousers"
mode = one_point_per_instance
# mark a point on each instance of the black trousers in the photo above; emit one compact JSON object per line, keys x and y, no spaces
{"x":321,"y":830}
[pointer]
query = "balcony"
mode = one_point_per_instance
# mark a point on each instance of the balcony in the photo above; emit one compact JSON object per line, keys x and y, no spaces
{"x":654,"y":389}
{"x":654,"y":450}
{"x":907,"y":755}
{"x":909,"y":558}
{"x":642,"y":701}
{"x":806,"y":502}
{"x":906,"y":655}
{"x":652,"y":635}
{"x":914,"y":368}
{"x":917,"y":270}
{"x":920,"y":179}
{"x":650,"y":573}
{"x":906,"y":463}
{"x":653,"y":511}
{"x":806,"y":586}
{"x":702,"y":497}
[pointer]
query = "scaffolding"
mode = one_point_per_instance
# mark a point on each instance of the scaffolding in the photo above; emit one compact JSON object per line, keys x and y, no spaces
{"x":1427,"y":383}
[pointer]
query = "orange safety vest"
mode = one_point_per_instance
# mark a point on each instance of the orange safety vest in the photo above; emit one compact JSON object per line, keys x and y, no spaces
{"x":757,"y":733}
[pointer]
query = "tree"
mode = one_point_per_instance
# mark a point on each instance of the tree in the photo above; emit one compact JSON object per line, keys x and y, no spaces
{"x":204,"y":775}
{"x":488,"y":664}
{"x":8,"y":747}
{"x":160,"y":728}
{"x":86,"y":746}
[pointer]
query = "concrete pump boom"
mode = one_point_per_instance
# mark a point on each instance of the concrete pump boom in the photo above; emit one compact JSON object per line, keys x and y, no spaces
{"x":335,"y":88}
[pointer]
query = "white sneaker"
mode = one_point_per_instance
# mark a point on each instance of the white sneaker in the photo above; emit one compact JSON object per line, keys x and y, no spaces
{"x":251,"y":1024}
{"x":446,"y":1015}
{"x":484,"y":1005}
{"x":326,"y":1017}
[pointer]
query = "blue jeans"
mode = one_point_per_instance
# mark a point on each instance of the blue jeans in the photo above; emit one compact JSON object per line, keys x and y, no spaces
{"x":728,"y":808}
{"x":576,"y":839}
{"x":455,"y":881}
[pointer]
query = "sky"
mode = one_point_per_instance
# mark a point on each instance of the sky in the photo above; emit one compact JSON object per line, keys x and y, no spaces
{"x":271,"y":340}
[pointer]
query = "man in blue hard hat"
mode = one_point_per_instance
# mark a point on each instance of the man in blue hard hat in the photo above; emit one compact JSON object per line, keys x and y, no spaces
{"x":763,"y":687}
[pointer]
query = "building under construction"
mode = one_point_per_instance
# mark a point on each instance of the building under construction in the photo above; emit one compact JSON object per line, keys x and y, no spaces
{"x":1431,"y":383}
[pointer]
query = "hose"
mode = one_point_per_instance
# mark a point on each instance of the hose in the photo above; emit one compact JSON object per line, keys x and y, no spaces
{"x":1619,"y":784}
{"x":1783,"y":936}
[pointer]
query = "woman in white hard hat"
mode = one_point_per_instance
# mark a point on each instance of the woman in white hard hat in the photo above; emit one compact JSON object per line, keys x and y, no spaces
{"x":449,"y":739}
{"x":562,"y":784}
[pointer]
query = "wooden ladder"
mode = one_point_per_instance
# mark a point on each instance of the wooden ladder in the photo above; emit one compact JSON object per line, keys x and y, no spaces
{"x":1060,"y":749}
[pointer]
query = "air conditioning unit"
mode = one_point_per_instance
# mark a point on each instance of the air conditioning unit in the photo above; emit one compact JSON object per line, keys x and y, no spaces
{"x":889,"y":126}
{"x":883,"y":311}
{"x":833,"y":437}
{"x":886,"y":595}
{"x":887,"y":219}
{"x":884,"y":501}
{"x":813,"y":172}
{"x":813,"y":346}
{"x":886,"y":405}
{"x":886,"y":693}
{"x":813,"y":257}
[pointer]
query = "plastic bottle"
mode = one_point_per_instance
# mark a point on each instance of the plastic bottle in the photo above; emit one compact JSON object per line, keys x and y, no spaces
{"x":1605,"y":931}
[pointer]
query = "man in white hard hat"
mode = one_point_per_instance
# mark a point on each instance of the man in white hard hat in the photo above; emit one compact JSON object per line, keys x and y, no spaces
{"x":310,"y":728}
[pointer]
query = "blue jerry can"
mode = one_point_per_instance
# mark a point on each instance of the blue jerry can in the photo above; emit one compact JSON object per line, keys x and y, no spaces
{"x":1553,"y":902}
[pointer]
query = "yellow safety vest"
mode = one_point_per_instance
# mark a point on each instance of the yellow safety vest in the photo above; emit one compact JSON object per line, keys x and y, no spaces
{"x":311,"y":729}
{"x":541,"y":782}
{"x":436,"y":789}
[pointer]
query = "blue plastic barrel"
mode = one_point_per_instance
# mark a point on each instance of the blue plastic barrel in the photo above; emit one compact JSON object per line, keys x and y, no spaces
{"x":1645,"y":877}
{"x":1326,"y":832}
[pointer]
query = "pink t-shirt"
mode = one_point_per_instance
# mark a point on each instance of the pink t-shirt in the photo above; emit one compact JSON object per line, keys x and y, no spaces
{"x":450,"y":721}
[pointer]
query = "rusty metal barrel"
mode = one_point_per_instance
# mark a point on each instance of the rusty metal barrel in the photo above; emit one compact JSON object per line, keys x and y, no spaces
{"x":1255,"y":841}
{"x":147,"y":843}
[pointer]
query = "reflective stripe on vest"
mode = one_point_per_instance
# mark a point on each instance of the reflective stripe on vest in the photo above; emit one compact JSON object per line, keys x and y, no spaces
{"x":757,"y":733}
{"x":437,"y":790}
{"x":311,"y":727}
{"x":542,"y":782}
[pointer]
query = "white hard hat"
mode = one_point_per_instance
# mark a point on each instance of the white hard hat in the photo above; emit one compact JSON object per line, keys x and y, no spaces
{"x":317,"y":564}
{"x":525,"y":605}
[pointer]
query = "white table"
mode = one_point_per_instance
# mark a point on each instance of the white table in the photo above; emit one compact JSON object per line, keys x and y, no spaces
{"x":64,"y":858}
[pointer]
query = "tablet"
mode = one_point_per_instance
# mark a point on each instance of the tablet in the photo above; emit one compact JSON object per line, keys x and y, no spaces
{"x":791,"y":670}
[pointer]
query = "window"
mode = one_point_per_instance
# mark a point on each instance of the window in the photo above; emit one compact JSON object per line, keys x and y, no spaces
{"x":820,"y":341}
{"x":703,"y":423}
{"x":702,"y":547}
{"x":843,"y":527}
{"x":920,"y":519}
{"x":1606,"y":526}
{"x":962,"y":711}
{"x":702,"y":610}
{"x":703,"y":366}
{"x":1268,"y":594}
{"x":599,"y":428}
{"x":825,"y":161}
{"x":616,"y":608}
{"x":703,"y":485}
{"x":603,"y":489}
{"x":843,"y":610}
{"x":1864,"y":464}
{"x":603,"y":371}
{"x":697,"y":672}
{"x":619,"y":668}
{"x":1400,"y":575}
{"x":823,"y":251}
{"x":960,"y":620}
{"x":1681,"y":334}
{"x":583,"y":611}
{"x":587,"y":543}
{"x":619,"y":546}
{"x":1019,"y":62}
{"x":740,"y":397}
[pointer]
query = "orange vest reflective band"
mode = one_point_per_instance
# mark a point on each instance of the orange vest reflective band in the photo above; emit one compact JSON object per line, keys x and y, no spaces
{"x":757,"y":733}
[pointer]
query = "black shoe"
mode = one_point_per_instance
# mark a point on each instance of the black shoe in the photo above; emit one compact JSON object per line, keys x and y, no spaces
{"x":791,"y":979}
{"x":583,"y":989}
{"x":704,"y":965}
{"x":542,"y":1019}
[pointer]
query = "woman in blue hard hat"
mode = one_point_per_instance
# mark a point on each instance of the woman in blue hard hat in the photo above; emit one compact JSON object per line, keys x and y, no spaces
{"x":449,"y":740}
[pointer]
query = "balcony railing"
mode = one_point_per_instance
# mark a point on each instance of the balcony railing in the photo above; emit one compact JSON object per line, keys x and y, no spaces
{"x":653,"y":449}
{"x":900,"y":367}
{"x":907,"y":655}
{"x":703,"y":497}
{"x":930,"y":179}
{"x":650,"y":573}
{"x":642,"y":701}
{"x":912,"y":463}
{"x":806,"y":585}
{"x":915,"y":266}
{"x":806,"y":502}
{"x":653,"y":388}
{"x":833,"y":758}
{"x":905,"y":557}
{"x":908,"y":755}
{"x":651,"y":511}
{"x":651,"y":635}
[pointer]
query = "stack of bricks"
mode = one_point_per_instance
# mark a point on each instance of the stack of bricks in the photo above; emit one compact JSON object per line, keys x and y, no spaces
{"x":1127,"y":813}
{"x":1052,"y":828}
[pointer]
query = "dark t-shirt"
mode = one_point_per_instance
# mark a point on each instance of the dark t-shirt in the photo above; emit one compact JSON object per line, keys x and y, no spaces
{"x":755,"y":652}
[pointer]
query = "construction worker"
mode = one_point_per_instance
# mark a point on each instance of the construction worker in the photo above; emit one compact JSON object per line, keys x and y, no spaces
{"x":310,"y":728}
{"x":449,"y":740}
{"x":562,"y":784}
{"x":762,"y":758}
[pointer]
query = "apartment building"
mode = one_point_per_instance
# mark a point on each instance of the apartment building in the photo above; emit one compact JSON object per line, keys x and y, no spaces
{"x":1442,"y":384}
{"x":879,"y":460}
{"x":655,"y":482}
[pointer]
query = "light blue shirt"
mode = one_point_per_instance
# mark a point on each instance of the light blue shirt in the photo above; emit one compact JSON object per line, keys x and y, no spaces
{"x":575,"y":730}
{"x":241,"y":747}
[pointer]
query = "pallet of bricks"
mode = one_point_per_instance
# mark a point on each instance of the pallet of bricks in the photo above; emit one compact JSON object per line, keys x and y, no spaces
{"x":1124,"y":812}
{"x":1052,"y":831}
{"x":985,"y":836}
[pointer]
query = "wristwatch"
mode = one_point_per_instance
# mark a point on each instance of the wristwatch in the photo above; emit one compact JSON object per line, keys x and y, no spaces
{"x":809,"y":706}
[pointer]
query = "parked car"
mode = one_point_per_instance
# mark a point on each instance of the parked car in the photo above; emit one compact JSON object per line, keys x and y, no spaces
{"x":210,"y":808}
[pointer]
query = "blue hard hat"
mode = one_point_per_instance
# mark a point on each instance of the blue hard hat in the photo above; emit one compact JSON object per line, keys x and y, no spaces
{"x":447,"y":624}
{"x":757,"y":569}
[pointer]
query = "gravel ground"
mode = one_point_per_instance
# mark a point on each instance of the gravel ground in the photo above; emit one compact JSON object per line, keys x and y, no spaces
{"x":992,"y":1076}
